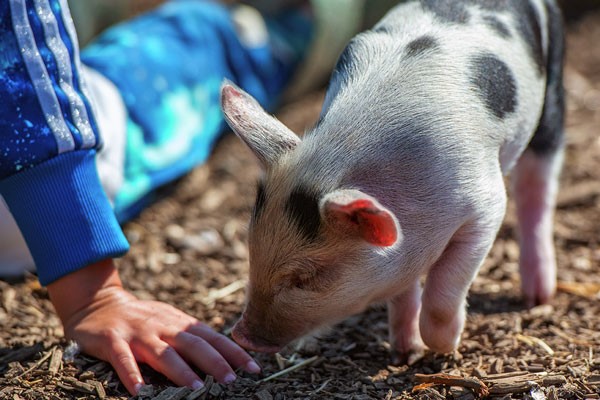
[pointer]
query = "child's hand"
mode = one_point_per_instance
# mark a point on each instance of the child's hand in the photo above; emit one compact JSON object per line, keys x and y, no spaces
{"x":113,"y":325}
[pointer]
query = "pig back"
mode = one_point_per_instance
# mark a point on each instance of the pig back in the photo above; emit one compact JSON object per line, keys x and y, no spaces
{"x":432,"y":103}
{"x":475,"y":70}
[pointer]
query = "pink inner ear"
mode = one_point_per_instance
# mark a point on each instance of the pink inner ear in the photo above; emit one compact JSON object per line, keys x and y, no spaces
{"x":230,"y":90}
{"x":376,"y":226}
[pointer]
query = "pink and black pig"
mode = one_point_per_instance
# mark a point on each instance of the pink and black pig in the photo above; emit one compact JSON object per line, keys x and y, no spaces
{"x":401,"y":180}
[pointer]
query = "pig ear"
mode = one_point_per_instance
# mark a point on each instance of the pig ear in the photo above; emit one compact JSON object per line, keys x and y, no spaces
{"x":268,"y":138}
{"x":360,"y":214}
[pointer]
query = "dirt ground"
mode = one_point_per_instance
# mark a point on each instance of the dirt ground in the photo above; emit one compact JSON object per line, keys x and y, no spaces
{"x":189,"y":249}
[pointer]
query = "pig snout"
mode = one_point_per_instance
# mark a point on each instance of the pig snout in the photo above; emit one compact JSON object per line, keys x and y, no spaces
{"x":250,"y":340}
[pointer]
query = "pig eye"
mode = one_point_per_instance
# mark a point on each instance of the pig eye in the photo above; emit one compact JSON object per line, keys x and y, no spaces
{"x":310,"y":277}
{"x":314,"y":282}
{"x":300,"y":278}
{"x":303,"y":283}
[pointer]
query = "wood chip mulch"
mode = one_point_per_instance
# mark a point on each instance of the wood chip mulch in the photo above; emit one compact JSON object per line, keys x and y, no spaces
{"x":189,"y":249}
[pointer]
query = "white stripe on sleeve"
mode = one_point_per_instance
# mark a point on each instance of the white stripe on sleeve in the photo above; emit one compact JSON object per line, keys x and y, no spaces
{"x":70,"y":27}
{"x":39,"y":77}
{"x":63,"y":63}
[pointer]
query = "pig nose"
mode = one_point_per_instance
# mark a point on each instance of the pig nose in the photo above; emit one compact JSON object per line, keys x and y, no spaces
{"x":241,"y":334}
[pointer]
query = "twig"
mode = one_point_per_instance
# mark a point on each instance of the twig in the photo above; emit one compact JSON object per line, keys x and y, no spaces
{"x":513,"y":387}
{"x":523,"y":383}
{"x":568,"y":338}
{"x":55,"y":361}
{"x":80,"y":386}
{"x":589,"y":290}
{"x":321,"y":387}
{"x":99,"y":390}
{"x":290,"y":369}
{"x":217,"y":294}
{"x":422,"y":386}
{"x":554,"y":380}
{"x":281,"y":361}
{"x":31,"y":383}
{"x":37,"y":364}
{"x":454,"y":380}
{"x":536,"y":376}
{"x":505,"y":375}
{"x":531,"y":340}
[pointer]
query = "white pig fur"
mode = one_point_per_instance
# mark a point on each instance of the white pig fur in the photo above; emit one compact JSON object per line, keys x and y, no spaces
{"x":422,"y":118}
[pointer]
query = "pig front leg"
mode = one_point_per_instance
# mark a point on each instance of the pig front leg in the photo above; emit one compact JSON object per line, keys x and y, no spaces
{"x":535,"y":185}
{"x":444,"y":296}
{"x":403,"y":318}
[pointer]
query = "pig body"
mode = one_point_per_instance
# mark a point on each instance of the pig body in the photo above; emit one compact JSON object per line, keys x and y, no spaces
{"x":403,"y":174}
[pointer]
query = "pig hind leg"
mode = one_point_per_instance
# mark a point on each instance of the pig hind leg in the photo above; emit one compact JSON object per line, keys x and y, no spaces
{"x":535,"y":181}
{"x":443,"y":309}
{"x":403,"y":317}
{"x":535,"y":185}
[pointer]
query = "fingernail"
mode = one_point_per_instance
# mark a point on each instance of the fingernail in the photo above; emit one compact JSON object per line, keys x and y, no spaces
{"x":252,"y":367}
{"x":137,"y":387}
{"x":197,"y":385}
{"x":229,"y":378}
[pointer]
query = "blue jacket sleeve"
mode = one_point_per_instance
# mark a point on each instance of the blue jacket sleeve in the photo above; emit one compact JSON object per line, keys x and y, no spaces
{"x":48,"y":142}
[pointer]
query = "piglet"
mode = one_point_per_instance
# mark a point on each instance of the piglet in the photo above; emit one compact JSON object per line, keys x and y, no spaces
{"x":402,"y":176}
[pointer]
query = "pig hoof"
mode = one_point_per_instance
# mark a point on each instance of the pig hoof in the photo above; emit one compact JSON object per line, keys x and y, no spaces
{"x":539,"y":296}
{"x":455,"y":357}
{"x":415,"y":356}
{"x":410,"y":357}
{"x":441,"y":332}
{"x":532,"y":302}
{"x":538,"y":278}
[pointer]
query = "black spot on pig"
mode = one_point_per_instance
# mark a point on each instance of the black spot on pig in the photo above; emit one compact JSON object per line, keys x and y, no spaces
{"x":447,"y":11}
{"x":493,"y":5}
{"x":549,"y":136}
{"x":346,"y":63}
{"x":527,"y":23}
{"x":529,"y":28}
{"x":303,"y":208}
{"x":420,"y":45}
{"x":382,"y":29}
{"x":495,"y":84}
{"x":345,"y":57}
{"x":523,"y":12}
{"x":497,"y":25}
{"x":260,"y":200}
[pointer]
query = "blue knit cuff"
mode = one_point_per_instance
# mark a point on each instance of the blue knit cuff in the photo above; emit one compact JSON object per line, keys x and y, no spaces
{"x":64,"y":214}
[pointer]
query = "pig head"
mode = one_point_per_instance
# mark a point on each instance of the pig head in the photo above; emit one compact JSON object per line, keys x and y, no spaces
{"x":311,"y":243}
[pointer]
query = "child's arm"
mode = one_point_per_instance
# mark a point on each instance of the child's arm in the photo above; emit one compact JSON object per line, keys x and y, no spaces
{"x":48,"y":178}
{"x":48,"y":142}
